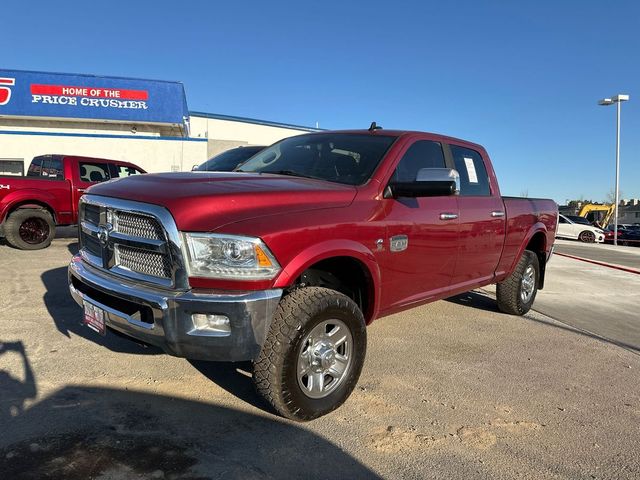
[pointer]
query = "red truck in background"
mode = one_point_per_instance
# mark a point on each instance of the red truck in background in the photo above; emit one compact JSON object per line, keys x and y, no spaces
{"x":287,"y":260}
{"x":32,"y":206}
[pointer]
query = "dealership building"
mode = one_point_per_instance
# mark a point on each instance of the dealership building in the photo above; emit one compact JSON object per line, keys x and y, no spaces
{"x":146,"y":122}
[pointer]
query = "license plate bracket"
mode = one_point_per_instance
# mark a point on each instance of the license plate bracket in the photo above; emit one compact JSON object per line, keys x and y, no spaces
{"x":94,"y":318}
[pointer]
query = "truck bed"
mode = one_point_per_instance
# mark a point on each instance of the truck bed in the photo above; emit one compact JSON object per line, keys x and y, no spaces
{"x":523,"y":214}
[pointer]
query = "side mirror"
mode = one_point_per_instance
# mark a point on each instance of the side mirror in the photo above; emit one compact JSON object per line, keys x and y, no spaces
{"x":194,"y":168}
{"x":430,"y":182}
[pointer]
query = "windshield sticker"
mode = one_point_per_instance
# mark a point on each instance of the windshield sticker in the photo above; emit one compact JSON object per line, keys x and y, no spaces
{"x":471,"y":170}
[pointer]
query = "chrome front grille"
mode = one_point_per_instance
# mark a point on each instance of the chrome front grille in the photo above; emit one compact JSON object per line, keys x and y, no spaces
{"x":143,"y":261}
{"x":91,"y":244}
{"x":92,"y":213}
{"x":137,"y":225}
{"x":131,"y":239}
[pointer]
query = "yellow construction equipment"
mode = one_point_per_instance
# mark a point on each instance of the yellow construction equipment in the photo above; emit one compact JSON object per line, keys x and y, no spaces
{"x":599,"y":214}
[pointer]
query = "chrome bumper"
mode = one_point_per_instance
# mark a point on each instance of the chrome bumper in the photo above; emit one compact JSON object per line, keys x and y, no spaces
{"x":163,"y":317}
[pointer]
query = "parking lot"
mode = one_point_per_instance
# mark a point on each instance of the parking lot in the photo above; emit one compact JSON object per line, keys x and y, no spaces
{"x":453,"y":389}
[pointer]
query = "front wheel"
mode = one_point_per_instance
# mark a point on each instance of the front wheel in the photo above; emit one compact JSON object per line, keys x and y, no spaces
{"x":30,"y":229}
{"x":518,"y":291}
{"x":587,"y":236}
{"x":313,"y":354}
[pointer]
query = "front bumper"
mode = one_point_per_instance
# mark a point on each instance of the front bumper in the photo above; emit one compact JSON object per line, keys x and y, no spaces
{"x":163,"y":317}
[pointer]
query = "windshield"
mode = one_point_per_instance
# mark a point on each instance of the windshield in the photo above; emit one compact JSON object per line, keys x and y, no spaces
{"x":335,"y":157}
{"x":229,"y":160}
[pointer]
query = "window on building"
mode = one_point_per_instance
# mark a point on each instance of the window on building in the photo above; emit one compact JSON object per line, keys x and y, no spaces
{"x":12,"y":166}
{"x":94,"y":172}
{"x":422,"y":154}
{"x":474,"y":180}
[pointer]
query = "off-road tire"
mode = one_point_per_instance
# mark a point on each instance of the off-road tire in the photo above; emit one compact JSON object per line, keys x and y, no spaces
{"x":274,"y":371}
{"x":19,"y":217}
{"x":509,"y":291}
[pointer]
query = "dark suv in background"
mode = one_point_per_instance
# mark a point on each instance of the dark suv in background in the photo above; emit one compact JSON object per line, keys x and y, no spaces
{"x":229,"y":160}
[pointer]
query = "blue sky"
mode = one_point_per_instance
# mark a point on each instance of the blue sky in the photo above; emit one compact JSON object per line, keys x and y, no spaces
{"x":521,"y":78}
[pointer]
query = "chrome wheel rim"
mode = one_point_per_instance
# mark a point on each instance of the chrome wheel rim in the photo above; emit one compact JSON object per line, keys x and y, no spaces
{"x":325,"y":358}
{"x":528,"y":284}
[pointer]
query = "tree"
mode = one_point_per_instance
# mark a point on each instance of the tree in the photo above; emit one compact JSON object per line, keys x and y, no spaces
{"x":611,"y":196}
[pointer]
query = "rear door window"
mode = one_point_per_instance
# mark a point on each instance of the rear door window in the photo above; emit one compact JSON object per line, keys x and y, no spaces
{"x":124,"y":171}
{"x":474,"y":180}
{"x":91,"y":172}
{"x":422,"y":154}
{"x":52,"y":168}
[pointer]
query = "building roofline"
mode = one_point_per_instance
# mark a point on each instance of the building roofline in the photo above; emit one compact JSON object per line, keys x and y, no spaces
{"x":231,"y":118}
{"x":93,"y":76}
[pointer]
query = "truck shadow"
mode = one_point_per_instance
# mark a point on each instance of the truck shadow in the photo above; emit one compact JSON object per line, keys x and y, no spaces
{"x":235,"y":378}
{"x":112,"y":433}
{"x":73,"y":248}
{"x":67,"y":316}
{"x":67,"y":232}
{"x":483,"y":301}
{"x":475,"y":299}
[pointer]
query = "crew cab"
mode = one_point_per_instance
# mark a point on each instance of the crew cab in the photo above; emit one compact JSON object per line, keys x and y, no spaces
{"x":286,"y":261}
{"x":32,"y":206}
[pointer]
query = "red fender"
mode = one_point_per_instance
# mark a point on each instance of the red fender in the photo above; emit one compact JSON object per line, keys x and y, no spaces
{"x":331,"y":249}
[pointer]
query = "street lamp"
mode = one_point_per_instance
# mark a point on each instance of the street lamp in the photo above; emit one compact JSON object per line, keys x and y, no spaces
{"x":618,"y":99}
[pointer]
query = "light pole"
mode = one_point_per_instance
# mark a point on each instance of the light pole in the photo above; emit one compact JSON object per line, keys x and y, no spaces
{"x":618,"y":99}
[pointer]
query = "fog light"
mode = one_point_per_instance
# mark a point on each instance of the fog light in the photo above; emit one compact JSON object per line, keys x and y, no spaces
{"x":209,"y":325}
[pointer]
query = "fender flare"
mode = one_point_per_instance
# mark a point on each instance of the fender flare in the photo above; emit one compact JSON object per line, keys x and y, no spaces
{"x":536,"y":228}
{"x":331,"y":249}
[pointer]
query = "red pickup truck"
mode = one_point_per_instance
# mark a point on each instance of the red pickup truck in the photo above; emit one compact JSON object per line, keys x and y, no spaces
{"x":32,"y":206}
{"x":287,"y":260}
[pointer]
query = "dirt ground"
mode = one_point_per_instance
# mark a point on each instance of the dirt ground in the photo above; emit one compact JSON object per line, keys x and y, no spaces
{"x":449,"y":390}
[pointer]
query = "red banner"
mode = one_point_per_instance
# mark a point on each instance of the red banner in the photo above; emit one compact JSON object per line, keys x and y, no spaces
{"x":63,"y":90}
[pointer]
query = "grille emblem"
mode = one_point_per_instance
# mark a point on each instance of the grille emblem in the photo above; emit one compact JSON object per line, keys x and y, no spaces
{"x":103,"y":233}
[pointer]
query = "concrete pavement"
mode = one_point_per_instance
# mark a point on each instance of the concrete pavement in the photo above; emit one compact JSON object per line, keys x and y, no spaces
{"x":453,"y":389}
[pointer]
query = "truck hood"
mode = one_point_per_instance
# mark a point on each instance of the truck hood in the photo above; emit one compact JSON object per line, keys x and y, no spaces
{"x":206,"y":201}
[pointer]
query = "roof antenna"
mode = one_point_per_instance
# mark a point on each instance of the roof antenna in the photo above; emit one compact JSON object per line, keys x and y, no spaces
{"x":374,"y":126}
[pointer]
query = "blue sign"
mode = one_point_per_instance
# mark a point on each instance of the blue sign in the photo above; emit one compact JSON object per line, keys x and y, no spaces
{"x":36,"y":94}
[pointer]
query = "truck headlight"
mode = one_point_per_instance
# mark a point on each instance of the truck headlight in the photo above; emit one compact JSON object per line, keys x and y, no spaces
{"x":235,"y":257}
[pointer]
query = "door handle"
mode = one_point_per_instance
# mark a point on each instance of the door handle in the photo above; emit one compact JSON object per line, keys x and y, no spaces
{"x":448,"y":216}
{"x":81,"y":190}
{"x":497,"y":213}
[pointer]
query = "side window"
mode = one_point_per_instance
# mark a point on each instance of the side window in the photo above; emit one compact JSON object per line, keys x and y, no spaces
{"x":562,"y":220}
{"x":94,"y":172}
{"x":35,"y":167}
{"x":422,"y":154}
{"x":126,"y":171}
{"x":52,"y":168}
{"x":474,"y":180}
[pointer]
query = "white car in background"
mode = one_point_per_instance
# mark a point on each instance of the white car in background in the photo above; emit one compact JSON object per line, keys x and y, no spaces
{"x":578,"y":231}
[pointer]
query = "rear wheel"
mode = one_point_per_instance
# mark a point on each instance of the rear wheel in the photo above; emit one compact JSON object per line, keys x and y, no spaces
{"x":30,"y":229}
{"x":516,"y":294}
{"x":587,"y":236}
{"x":313,"y":354}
